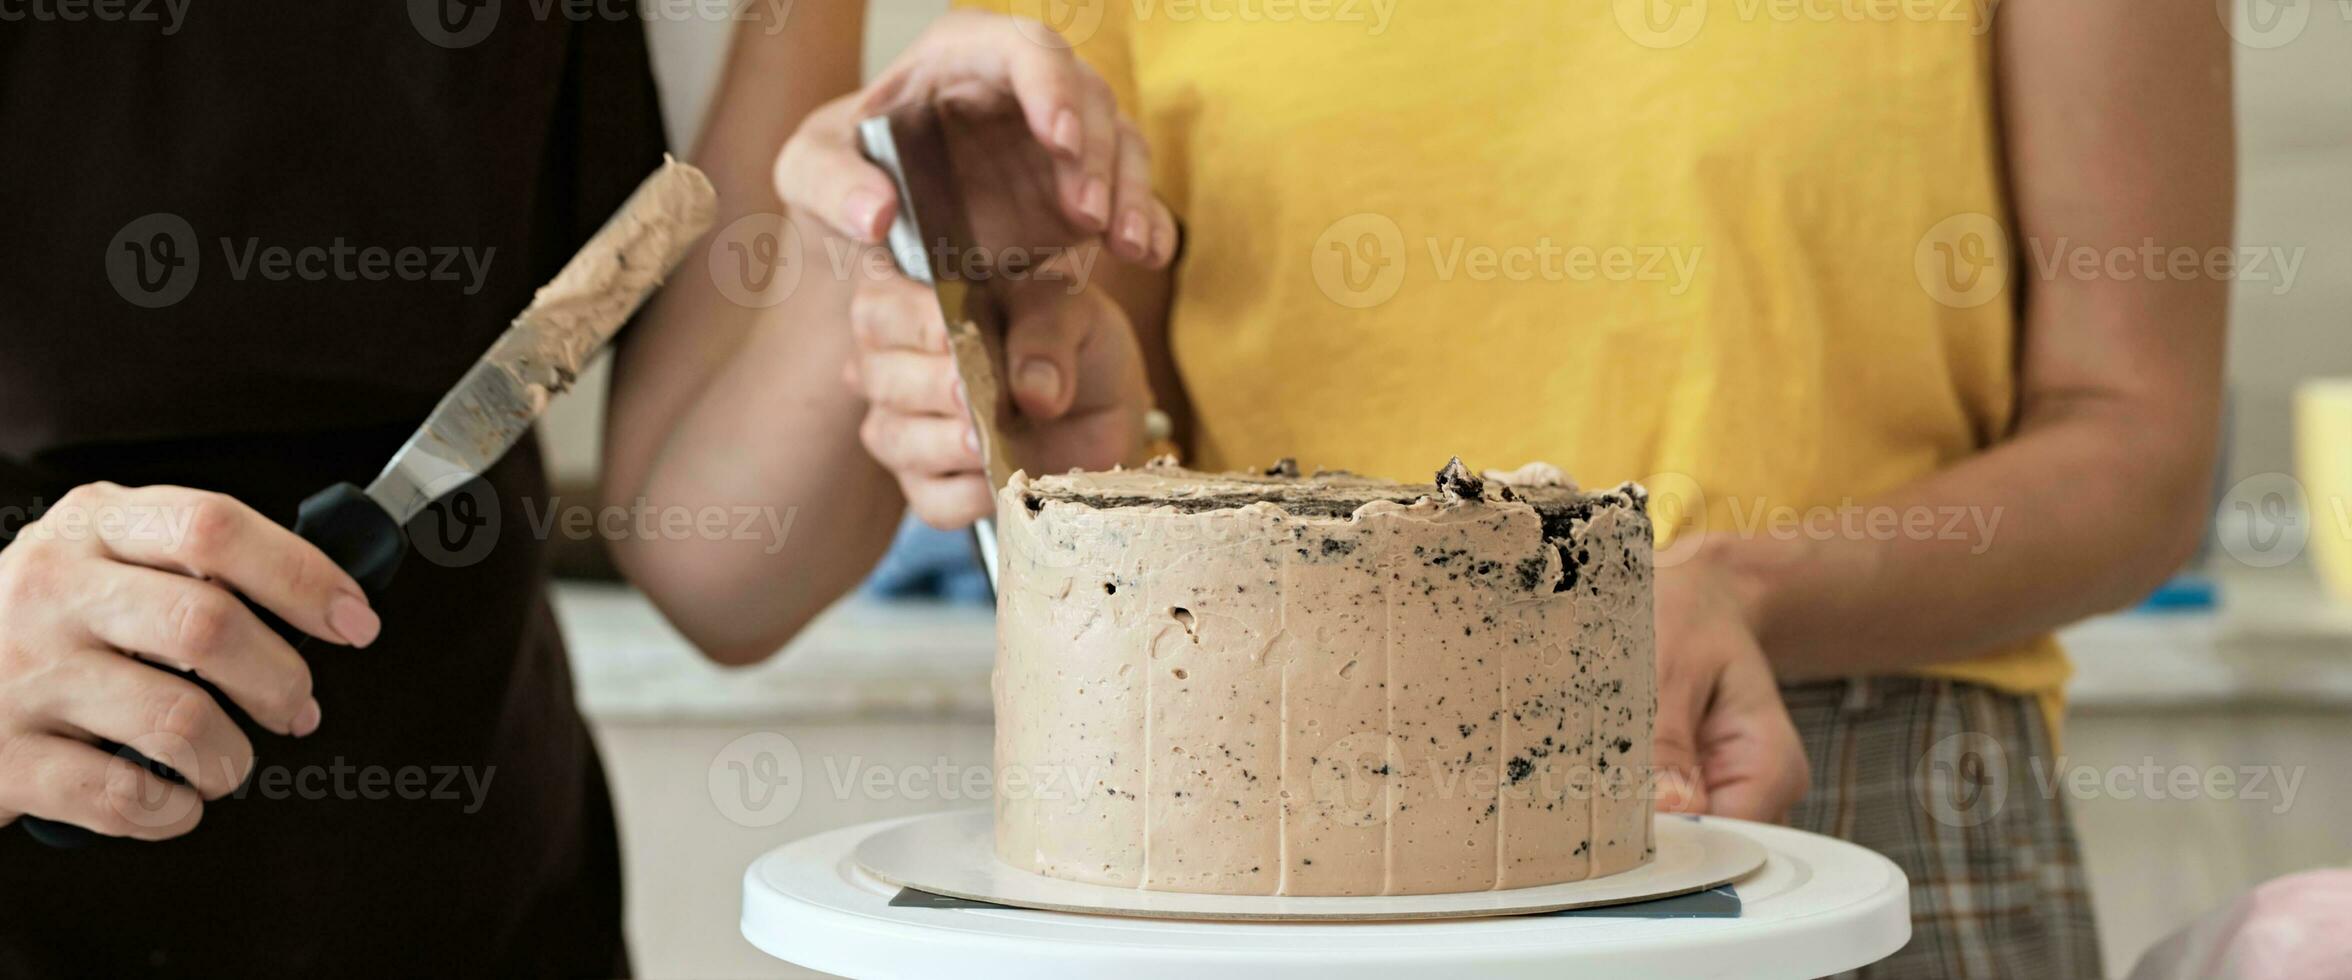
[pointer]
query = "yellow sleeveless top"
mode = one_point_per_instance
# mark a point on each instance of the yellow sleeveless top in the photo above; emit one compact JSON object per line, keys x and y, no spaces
{"x":1737,"y":250}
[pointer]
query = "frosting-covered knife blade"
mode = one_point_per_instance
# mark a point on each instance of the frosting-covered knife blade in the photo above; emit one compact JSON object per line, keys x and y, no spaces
{"x":569,"y":320}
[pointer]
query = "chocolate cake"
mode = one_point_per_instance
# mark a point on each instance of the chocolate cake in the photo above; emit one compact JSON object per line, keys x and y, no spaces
{"x":1269,"y":684}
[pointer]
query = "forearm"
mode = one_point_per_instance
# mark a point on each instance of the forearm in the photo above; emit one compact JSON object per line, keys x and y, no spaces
{"x":738,"y":405}
{"x":775,"y":430}
{"x":2076,"y":514}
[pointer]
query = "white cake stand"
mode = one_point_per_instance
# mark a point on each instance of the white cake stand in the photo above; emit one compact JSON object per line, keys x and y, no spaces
{"x":1818,"y":906}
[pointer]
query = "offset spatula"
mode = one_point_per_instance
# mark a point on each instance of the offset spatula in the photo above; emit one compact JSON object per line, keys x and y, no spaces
{"x":931,"y":243}
{"x":545,"y":348}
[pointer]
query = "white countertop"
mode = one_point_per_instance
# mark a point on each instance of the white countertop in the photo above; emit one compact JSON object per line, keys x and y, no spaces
{"x":2275,"y":640}
{"x":861,"y":659}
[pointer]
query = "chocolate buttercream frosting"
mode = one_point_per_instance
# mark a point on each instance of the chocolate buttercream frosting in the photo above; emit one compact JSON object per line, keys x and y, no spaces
{"x":1272,"y":684}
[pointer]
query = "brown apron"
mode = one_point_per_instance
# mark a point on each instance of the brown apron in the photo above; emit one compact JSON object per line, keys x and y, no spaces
{"x":247,"y":247}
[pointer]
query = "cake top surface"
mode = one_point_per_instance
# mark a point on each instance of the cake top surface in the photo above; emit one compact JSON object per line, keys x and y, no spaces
{"x":1328,"y":493}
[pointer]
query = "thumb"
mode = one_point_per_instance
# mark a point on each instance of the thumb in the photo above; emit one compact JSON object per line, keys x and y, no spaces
{"x":822,"y":173}
{"x":1754,"y":760}
{"x":1678,"y":786}
{"x":1045,"y":328}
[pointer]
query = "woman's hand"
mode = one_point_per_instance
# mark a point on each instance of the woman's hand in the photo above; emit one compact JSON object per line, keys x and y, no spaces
{"x":1724,"y":741}
{"x":1095,"y":167}
{"x":1088,"y":416}
{"x":1048,"y":175}
{"x":113,"y":575}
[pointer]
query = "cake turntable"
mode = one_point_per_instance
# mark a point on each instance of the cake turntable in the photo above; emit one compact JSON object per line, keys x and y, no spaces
{"x":1816,"y":906}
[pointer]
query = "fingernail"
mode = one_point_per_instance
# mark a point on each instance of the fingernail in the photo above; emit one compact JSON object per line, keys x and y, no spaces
{"x":1095,"y":200}
{"x":353,"y":620}
{"x":972,"y":440}
{"x":1131,"y":229}
{"x":1065,"y":131}
{"x":963,"y":401}
{"x":306,"y":720}
{"x":864,"y":208}
{"x":1040,"y":380}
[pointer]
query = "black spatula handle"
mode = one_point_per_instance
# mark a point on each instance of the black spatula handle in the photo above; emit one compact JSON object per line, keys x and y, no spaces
{"x":361,"y":539}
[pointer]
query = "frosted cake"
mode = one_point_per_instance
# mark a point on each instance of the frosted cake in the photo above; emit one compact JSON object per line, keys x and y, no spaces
{"x":1269,"y":684}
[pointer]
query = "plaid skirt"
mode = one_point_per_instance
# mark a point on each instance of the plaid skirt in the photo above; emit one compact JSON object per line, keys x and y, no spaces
{"x":1939,"y":776}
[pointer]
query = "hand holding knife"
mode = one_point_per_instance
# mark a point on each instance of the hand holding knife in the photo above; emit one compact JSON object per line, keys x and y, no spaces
{"x":537,"y":358}
{"x":926,"y":239}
